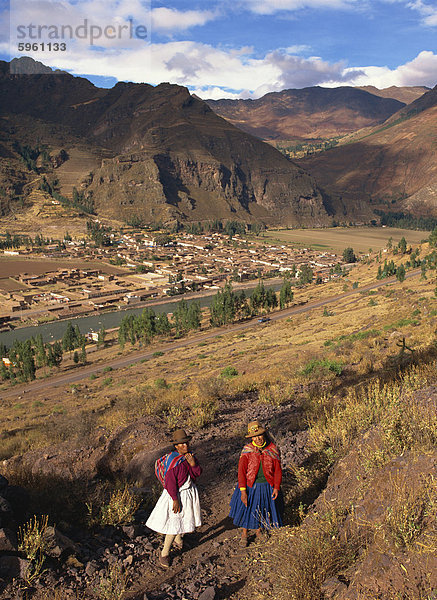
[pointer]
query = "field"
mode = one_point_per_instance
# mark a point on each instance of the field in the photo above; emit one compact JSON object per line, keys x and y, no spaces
{"x":11,"y":267}
{"x":337,"y":239}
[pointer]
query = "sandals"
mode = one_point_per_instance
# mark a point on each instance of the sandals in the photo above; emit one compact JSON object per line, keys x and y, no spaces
{"x":164,"y":561}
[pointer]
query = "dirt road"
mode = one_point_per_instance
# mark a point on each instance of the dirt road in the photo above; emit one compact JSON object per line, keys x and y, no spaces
{"x":81,"y":373}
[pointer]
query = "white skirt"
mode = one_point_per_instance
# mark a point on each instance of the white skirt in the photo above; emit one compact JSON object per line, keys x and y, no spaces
{"x":164,"y":520}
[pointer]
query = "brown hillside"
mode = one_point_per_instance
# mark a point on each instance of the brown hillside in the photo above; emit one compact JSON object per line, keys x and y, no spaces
{"x":169,"y":155}
{"x":403,"y":94}
{"x":394,"y":166}
{"x":308,"y":113}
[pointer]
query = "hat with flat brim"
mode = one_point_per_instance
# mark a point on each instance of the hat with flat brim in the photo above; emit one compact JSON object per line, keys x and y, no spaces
{"x":180,"y":436}
{"x":254,"y":428}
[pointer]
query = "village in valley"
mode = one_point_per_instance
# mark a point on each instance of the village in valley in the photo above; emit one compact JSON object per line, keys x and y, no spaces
{"x":141,"y":267}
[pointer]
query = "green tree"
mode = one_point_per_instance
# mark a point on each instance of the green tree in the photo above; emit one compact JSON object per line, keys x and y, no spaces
{"x":349,"y":255}
{"x":163,"y":326}
{"x":54,"y":354}
{"x":40,"y":351}
{"x":400,"y":273}
{"x":402,"y":245}
{"x":223,"y":307}
{"x":69,"y":338}
{"x":4,"y":372}
{"x":101,"y":336}
{"x":423,"y":270}
{"x":306,"y":274}
{"x":286,"y":294}
{"x":82,"y":355}
{"x":433,"y":238}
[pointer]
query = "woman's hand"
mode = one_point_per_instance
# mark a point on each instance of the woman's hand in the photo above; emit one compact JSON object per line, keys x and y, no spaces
{"x":190,"y":459}
{"x":275,"y":494}
{"x":176,"y":506}
{"x":244,"y":497}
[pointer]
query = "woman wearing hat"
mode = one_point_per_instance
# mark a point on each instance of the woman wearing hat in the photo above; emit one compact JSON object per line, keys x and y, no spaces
{"x":178,"y":509}
{"x":257,"y":501}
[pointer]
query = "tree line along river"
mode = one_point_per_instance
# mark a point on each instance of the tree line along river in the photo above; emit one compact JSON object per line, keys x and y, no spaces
{"x":54,"y":330}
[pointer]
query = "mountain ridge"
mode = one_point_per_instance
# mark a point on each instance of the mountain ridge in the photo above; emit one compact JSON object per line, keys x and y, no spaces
{"x":307,"y":113}
{"x":392,"y":167}
{"x":170,"y":156}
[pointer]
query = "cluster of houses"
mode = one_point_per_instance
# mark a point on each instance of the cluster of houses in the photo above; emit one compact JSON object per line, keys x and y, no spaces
{"x":150,"y":269}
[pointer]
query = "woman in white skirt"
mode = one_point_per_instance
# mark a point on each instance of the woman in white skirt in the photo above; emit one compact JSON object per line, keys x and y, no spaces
{"x":178,"y":509}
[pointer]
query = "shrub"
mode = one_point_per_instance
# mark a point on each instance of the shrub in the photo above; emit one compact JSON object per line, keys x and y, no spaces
{"x":120,"y":509}
{"x":157,"y":354}
{"x":161,"y":383}
{"x":411,"y":502}
{"x":31,"y":537}
{"x":322,"y":366}
{"x":107,"y":369}
{"x":113,"y":583}
{"x":308,"y":556}
{"x":275,"y":394}
{"x":229,"y":372}
{"x":32,"y":542}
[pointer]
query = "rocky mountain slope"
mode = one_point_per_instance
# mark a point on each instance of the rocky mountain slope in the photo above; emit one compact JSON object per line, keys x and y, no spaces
{"x":161,"y":154}
{"x":393,"y":167}
{"x":308,"y":113}
{"x":403,"y":94}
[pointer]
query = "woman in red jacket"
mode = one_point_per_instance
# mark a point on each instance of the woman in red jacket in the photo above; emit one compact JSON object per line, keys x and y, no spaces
{"x":257,"y":500}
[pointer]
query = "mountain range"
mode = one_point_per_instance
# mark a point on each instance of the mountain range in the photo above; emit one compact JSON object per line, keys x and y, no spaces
{"x":152,"y":153}
{"x":393,"y":166}
{"x":159,"y":154}
{"x":308,"y":113}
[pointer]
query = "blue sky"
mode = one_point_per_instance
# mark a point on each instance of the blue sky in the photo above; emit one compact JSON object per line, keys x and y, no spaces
{"x":236,"y":48}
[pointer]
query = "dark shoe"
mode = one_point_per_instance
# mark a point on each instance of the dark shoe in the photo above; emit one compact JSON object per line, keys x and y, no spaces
{"x":179,"y":546}
{"x":244,"y":542}
{"x":164,"y":561}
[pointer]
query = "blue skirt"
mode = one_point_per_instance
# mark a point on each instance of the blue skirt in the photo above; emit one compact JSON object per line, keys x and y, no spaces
{"x":261,"y":510}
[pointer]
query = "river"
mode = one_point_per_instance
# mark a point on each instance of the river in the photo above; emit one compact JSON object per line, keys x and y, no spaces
{"x":55,"y":329}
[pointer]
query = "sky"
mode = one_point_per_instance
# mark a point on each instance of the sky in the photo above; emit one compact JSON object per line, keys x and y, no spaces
{"x":229,"y":48}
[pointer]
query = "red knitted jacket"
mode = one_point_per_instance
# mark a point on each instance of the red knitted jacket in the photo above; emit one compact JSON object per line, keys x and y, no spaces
{"x":249,"y":462}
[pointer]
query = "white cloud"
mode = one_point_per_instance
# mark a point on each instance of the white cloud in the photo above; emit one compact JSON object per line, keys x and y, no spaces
{"x":422,"y":70}
{"x":218,"y":73}
{"x":428,"y":12}
{"x":108,"y":24}
{"x":204,"y":68}
{"x":170,"y":19}
{"x":297,"y":49}
{"x":269,"y":7}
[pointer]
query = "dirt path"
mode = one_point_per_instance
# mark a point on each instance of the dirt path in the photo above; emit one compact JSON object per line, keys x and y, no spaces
{"x":213,"y":559}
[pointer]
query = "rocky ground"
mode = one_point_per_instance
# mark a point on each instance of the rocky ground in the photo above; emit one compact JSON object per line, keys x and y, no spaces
{"x":212,"y":564}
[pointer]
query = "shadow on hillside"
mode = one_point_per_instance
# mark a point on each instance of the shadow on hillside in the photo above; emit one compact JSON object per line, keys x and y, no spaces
{"x":229,"y":589}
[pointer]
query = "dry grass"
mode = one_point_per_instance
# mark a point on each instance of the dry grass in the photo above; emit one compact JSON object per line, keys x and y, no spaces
{"x":406,"y":423}
{"x":357,"y":335}
{"x":309,"y":555}
{"x":120,"y":509}
{"x":113,"y":584}
{"x":325,"y":544}
{"x":408,"y":520}
{"x":339,"y":238}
